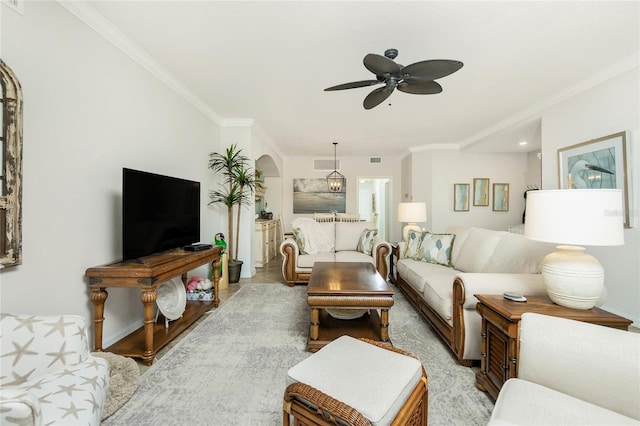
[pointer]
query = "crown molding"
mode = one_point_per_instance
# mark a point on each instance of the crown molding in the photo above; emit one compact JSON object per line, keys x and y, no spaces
{"x":83,"y":11}
{"x":627,"y":64}
{"x":237,"y":122}
{"x":434,"y":147}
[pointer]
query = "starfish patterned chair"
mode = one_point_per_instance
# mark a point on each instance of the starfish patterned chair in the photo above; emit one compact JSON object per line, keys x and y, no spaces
{"x":47,"y":375}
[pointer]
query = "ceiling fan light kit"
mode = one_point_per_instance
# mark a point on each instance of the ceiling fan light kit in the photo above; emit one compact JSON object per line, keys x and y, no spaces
{"x":416,"y":79}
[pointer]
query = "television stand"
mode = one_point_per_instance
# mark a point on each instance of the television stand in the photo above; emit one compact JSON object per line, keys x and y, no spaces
{"x":147,"y":275}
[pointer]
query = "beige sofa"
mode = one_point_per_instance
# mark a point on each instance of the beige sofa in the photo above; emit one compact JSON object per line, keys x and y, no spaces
{"x":572,"y":373}
{"x":481,"y":261}
{"x":329,"y":241}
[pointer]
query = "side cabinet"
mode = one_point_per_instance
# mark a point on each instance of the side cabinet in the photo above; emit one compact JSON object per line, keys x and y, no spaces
{"x":267,"y":241}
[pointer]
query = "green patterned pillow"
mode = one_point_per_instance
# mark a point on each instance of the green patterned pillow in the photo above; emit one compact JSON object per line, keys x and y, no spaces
{"x":365,"y":243}
{"x":301,"y":241}
{"x":436,"y":248}
{"x":413,"y":244}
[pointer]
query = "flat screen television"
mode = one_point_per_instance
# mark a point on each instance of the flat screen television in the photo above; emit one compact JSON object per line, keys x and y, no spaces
{"x":159,"y":213}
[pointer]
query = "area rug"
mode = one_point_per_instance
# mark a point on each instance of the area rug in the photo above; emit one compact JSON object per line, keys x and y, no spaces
{"x":124,"y":376}
{"x":231,"y":369}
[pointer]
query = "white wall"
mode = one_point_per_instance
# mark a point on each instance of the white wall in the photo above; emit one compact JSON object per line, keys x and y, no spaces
{"x":352,"y":168}
{"x":608,"y":108}
{"x":89,"y":111}
{"x":435,"y":172}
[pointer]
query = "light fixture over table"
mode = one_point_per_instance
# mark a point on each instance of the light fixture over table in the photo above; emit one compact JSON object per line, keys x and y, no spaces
{"x":591,"y":217}
{"x":335,"y":180}
{"x":411,"y":213}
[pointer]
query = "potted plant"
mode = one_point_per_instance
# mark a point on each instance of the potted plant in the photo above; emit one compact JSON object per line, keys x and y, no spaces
{"x":235,"y":190}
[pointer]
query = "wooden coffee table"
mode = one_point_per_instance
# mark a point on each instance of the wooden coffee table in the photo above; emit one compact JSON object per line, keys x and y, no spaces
{"x":350,"y":285}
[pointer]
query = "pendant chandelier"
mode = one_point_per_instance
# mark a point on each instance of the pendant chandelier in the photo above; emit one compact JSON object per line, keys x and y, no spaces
{"x":335,"y":180}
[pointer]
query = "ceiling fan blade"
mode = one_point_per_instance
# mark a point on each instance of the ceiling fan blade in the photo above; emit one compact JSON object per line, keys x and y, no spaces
{"x":379,"y":65}
{"x":376,"y":97}
{"x":352,"y":85}
{"x":431,"y":69}
{"x":419,"y":87}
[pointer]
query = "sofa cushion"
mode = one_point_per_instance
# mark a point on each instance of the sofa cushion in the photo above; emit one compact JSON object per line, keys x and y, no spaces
{"x":477,"y":248}
{"x":434,"y":282}
{"x":436,"y":248}
{"x":517,"y":254}
{"x":365,"y":243}
{"x":348,"y":234}
{"x":414,"y":238}
{"x":523,"y":402}
{"x":315,"y":237}
{"x":353,"y":256}
{"x":301,"y":241}
{"x":307,"y":260}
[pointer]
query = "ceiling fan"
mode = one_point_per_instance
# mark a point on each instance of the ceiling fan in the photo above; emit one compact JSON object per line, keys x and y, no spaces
{"x":416,"y":78}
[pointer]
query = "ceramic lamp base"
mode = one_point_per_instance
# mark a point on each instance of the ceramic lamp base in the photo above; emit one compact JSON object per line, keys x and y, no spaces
{"x":408,"y":228}
{"x":573,"y":278}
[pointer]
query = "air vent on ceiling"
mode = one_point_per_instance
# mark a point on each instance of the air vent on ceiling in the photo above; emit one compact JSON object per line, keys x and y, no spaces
{"x":325,"y":165}
{"x":375,"y":160}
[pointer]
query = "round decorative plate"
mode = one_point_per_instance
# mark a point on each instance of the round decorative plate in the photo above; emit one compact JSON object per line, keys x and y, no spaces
{"x":346,"y":313}
{"x":171,"y":298}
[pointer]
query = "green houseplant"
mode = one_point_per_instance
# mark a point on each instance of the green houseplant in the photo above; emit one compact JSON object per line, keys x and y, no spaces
{"x":235,"y":190}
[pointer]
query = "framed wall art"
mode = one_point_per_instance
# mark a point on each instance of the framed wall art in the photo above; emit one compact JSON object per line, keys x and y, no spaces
{"x":500,"y":197}
{"x":460,"y":197}
{"x":598,"y":163}
{"x":481,"y":191}
{"x":312,"y":196}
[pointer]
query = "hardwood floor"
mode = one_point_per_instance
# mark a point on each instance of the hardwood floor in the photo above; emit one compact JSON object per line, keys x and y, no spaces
{"x":268,"y":275}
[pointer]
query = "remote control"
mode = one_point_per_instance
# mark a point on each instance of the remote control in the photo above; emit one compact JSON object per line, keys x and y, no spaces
{"x":515,"y":297}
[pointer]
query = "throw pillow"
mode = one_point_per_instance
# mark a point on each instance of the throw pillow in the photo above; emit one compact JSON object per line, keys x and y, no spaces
{"x":301,"y":241}
{"x":413,"y":244}
{"x":365,"y":243}
{"x":436,"y":248}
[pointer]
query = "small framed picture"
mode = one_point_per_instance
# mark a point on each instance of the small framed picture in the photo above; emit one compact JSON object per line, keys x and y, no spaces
{"x":460,"y":197}
{"x":500,"y":197}
{"x":481,"y":191}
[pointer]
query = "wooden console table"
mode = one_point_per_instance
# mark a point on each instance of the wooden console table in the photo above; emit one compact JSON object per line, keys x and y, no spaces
{"x":147,"y":275}
{"x":500,"y":327}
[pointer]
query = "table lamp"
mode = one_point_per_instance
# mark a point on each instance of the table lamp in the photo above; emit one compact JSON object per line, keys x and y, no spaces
{"x":411,"y":213}
{"x":575,"y":217}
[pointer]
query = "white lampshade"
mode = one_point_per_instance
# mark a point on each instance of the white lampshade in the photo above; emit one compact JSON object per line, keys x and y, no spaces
{"x":411,"y":213}
{"x":592,"y":217}
{"x":589,"y":217}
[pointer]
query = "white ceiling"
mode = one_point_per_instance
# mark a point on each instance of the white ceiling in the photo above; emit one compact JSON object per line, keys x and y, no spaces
{"x":270,"y":61}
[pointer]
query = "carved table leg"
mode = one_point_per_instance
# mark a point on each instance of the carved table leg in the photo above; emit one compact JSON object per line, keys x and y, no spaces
{"x":148,"y":298}
{"x":315,"y":323}
{"x":98,"y":297}
{"x":384,"y":325}
{"x":216,"y":280}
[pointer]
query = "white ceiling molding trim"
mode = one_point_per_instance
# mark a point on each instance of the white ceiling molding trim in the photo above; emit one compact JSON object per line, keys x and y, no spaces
{"x":268,"y":141}
{"x":106,"y":29}
{"x":627,"y":64}
{"x":237,"y":122}
{"x":435,"y":147}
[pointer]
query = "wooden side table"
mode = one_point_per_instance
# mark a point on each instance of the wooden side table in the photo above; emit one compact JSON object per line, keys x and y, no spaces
{"x":146,"y":276}
{"x":500,"y":327}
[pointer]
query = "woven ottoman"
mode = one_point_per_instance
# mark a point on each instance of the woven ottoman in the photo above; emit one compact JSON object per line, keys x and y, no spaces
{"x":356,"y":382}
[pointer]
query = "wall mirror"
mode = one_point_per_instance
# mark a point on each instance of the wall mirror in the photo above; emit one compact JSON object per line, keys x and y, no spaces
{"x":11,"y":172}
